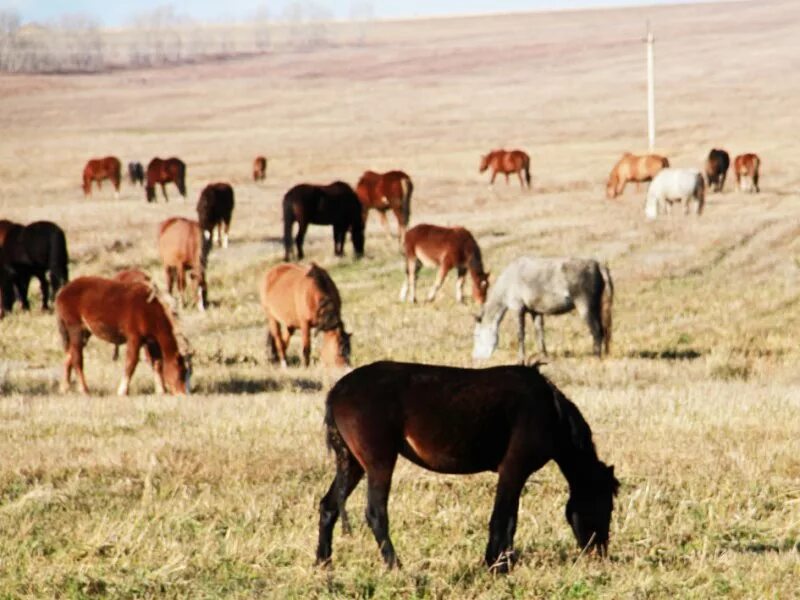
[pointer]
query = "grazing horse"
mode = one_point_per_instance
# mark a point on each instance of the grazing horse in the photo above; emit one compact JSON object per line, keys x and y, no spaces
{"x":675,"y":185}
{"x":305,"y":298}
{"x":335,"y":204}
{"x":98,"y":169}
{"x":121,"y":313}
{"x":164,"y":171}
{"x":510,"y":420}
{"x":136,"y":173}
{"x":6,"y":274}
{"x":507,"y":162}
{"x":746,"y":168}
{"x":445,"y":248}
{"x":35,"y":250}
{"x":182,"y":248}
{"x":717,"y":168}
{"x":384,"y":191}
{"x":547,"y":286}
{"x":260,"y":168}
{"x":633,"y":168}
{"x":214,"y":211}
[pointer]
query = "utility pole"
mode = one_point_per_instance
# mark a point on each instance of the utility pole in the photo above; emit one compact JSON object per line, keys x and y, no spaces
{"x":651,"y":92}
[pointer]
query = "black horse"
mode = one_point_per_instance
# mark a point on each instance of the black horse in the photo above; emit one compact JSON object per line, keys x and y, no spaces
{"x":214,"y":210}
{"x":136,"y":173}
{"x":335,"y":204}
{"x":717,"y":168}
{"x":34,"y":251}
{"x":509,"y":419}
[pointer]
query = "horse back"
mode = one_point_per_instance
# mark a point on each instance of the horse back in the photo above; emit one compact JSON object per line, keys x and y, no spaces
{"x":180,"y":242}
{"x":287,"y":295}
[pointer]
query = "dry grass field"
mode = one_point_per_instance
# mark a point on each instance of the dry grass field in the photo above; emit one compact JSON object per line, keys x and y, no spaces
{"x":215,"y":494}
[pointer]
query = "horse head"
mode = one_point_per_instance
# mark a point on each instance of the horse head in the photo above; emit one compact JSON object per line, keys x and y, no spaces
{"x":335,"y":351}
{"x":589,"y":508}
{"x":485,"y":162}
{"x":178,"y":370}
{"x":481,"y":288}
{"x":484,"y":338}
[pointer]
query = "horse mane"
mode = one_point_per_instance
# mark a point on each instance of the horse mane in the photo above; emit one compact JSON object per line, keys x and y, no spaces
{"x":167,"y":305}
{"x":327,"y":315}
{"x":572,"y":422}
{"x":475,"y":259}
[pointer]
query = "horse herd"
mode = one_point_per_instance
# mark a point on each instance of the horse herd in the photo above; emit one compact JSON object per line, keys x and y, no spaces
{"x":511,"y":420}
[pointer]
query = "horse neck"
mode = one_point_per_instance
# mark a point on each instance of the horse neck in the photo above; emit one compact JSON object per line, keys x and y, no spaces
{"x":475,"y":265}
{"x":495,"y":308}
{"x":164,"y":333}
{"x":575,"y":453}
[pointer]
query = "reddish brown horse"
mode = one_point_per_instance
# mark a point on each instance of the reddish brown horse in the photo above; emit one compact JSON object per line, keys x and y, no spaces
{"x":385,"y":191}
{"x":445,"y":248}
{"x":510,"y":420}
{"x":164,"y":171}
{"x":746,"y":169}
{"x":305,"y":298}
{"x":260,"y":168}
{"x":508,"y":162}
{"x":182,"y":248}
{"x":121,"y":313}
{"x":638,"y":169}
{"x":98,"y":169}
{"x":132,"y":276}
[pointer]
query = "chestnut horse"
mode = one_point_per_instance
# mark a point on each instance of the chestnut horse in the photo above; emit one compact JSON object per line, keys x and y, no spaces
{"x":260,"y":168}
{"x":121,"y":313}
{"x":98,"y":169}
{"x":745,"y":168}
{"x":633,"y":168}
{"x":384,"y":191}
{"x":510,"y":420}
{"x":214,"y":211}
{"x":304,"y":297}
{"x":164,"y":171}
{"x":182,"y":248}
{"x":335,"y":204}
{"x":507,"y":162}
{"x":445,"y":248}
{"x":131,"y":276}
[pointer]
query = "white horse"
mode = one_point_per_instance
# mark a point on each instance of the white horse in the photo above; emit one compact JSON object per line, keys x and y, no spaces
{"x":547,"y":286}
{"x":675,"y":185}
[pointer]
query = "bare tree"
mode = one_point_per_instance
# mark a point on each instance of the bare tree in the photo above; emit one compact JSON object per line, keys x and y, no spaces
{"x":308,"y":20}
{"x":361,"y":13}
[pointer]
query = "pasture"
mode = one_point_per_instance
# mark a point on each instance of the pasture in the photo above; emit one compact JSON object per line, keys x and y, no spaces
{"x":698,"y":406}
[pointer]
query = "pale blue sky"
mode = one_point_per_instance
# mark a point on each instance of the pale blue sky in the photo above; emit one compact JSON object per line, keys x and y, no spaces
{"x":109,"y":12}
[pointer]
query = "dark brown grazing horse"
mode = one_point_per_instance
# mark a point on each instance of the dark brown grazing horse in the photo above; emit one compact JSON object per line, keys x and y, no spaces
{"x":510,"y":420}
{"x":508,"y":162}
{"x":717,"y":165}
{"x":746,"y":168}
{"x":304,"y":298}
{"x":98,"y":169}
{"x":182,"y":248}
{"x":136,"y":173}
{"x":6,"y":284}
{"x":164,"y":171}
{"x":214,"y":211}
{"x":445,"y":248}
{"x":121,"y":313}
{"x":36,"y":250}
{"x":385,"y":191}
{"x":335,"y":204}
{"x":260,"y":168}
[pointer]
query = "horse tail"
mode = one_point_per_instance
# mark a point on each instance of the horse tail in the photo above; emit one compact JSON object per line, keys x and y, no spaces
{"x":606,"y":304}
{"x":181,"y":178}
{"x":407,"y":187}
{"x":288,"y":221}
{"x":58,"y":259}
{"x":526,"y":165}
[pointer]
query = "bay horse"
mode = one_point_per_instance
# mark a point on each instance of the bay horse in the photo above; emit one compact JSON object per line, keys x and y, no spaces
{"x":121,"y":313}
{"x":445,"y":248}
{"x":638,"y":169}
{"x":335,"y":204}
{"x":214,"y":211}
{"x":717,"y":165}
{"x":387,"y":191}
{"x":260,"y":168}
{"x":547,"y":286}
{"x":510,"y":420}
{"x":746,"y":169}
{"x":183,"y":248}
{"x":305,"y":298}
{"x":508,"y":162}
{"x":98,"y":169}
{"x":164,"y":171}
{"x":136,"y":173}
{"x":35,"y":250}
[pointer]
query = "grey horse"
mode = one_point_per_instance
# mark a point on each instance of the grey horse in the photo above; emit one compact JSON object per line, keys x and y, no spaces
{"x":547,"y":286}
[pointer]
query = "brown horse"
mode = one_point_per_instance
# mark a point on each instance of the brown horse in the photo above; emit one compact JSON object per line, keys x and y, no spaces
{"x":214,"y":211}
{"x":132,"y":276}
{"x":164,"y":171}
{"x":384,"y":191}
{"x":182,"y":248}
{"x":510,"y":420}
{"x":746,"y":168}
{"x":98,"y":169}
{"x":638,"y":169}
{"x":508,"y":162}
{"x":121,"y":313}
{"x":305,"y":298}
{"x":445,"y":248}
{"x":260,"y":168}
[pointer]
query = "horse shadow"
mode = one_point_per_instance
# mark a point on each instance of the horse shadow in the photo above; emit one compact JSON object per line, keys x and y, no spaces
{"x":263,"y":385}
{"x":671,"y":354}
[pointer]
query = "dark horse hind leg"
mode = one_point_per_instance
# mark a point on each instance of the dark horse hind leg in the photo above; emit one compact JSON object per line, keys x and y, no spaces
{"x":339,"y":234}
{"x":298,"y":241}
{"x":592,"y":318}
{"x":378,"y":484}
{"x":348,"y":473}
{"x":521,"y":335}
{"x":45,"y":286}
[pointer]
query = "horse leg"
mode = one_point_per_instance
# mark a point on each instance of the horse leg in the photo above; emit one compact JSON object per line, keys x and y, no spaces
{"x":491,"y":181}
{"x":45,"y":287}
{"x":305,"y":332}
{"x":153,"y":354}
{"x":277,"y":339}
{"x":378,"y":484}
{"x":521,"y":335}
{"x":385,"y":222}
{"x":131,"y":360}
{"x":301,"y":234}
{"x":538,"y":322}
{"x":164,"y":191}
{"x":68,"y":335}
{"x":521,"y":180}
{"x":226,"y":225}
{"x":592,"y":317}
{"x":507,"y":180}
{"x":22,"y":284}
{"x":348,"y":474}
{"x":462,"y":273}
{"x":503,"y":523}
{"x":77,"y":341}
{"x":444,"y":268}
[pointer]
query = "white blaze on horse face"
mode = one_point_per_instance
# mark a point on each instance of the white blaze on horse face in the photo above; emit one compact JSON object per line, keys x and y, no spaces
{"x":485,"y":341}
